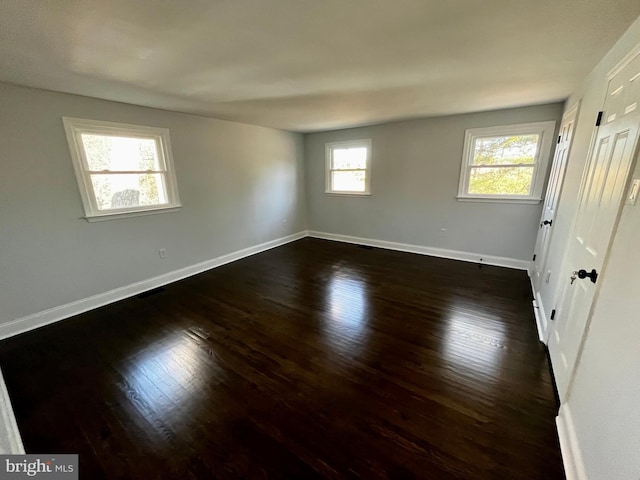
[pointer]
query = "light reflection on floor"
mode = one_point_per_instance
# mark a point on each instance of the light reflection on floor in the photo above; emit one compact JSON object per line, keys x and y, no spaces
{"x":475,"y":343}
{"x":168,"y":376}
{"x":347,"y":306}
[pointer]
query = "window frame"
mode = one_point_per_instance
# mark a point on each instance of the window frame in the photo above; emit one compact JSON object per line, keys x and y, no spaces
{"x":545,"y":130}
{"x":75,"y":127}
{"x":329,"y":148}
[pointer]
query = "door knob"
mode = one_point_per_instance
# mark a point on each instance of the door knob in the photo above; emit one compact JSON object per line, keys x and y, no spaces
{"x":582,"y":274}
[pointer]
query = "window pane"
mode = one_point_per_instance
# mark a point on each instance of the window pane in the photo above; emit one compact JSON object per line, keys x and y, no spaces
{"x":515,"y":149}
{"x":120,"y":153}
{"x":348,"y":181}
{"x":129,"y":190}
{"x":349,"y":158}
{"x":501,"y":181}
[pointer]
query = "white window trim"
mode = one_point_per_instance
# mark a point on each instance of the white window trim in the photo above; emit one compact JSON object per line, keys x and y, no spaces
{"x":74,"y":127}
{"x":329,"y":147}
{"x":545,"y":130}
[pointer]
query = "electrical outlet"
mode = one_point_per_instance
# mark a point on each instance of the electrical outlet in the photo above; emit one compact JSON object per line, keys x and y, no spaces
{"x":163,"y":253}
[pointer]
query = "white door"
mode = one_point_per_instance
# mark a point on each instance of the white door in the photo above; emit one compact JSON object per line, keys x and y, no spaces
{"x":601,"y":197}
{"x":554,"y":187}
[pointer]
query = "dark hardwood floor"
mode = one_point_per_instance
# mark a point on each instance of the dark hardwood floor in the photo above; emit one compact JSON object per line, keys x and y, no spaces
{"x":312,"y":360}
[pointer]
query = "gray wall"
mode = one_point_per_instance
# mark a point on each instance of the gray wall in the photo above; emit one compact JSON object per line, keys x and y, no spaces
{"x":414,"y":183}
{"x":237,"y":183}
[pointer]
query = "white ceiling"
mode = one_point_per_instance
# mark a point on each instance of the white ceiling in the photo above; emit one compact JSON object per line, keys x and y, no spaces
{"x":308,"y":65}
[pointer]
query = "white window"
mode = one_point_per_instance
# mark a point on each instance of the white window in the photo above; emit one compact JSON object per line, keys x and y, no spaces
{"x":122,"y":170}
{"x":348,"y":167}
{"x":506,"y":163}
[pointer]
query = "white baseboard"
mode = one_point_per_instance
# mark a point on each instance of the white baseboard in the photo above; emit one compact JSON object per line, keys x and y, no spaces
{"x":571,"y":454}
{"x":10,"y":441}
{"x":55,"y":314}
{"x":432,"y":251}
{"x":537,"y":313}
{"x":61,"y":312}
{"x":536,"y":307}
{"x":543,"y":327}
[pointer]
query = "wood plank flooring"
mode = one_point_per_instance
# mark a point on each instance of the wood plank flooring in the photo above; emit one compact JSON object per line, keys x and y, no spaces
{"x":316,"y":359}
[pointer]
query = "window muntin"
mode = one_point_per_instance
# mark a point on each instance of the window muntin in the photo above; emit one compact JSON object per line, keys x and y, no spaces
{"x":506,"y":163}
{"x":122,"y":169}
{"x":348,"y":167}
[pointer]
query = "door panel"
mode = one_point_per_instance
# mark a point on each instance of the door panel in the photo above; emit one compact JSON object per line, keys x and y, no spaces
{"x":575,"y":306}
{"x":593,"y":192}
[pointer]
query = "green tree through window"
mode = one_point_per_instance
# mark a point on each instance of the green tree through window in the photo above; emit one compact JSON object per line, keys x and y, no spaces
{"x":503,"y":165}
{"x":506,"y":163}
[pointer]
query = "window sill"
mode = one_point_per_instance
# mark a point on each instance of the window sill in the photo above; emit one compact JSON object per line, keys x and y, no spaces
{"x":529,"y":201}
{"x":348,"y":194}
{"x":115,"y":216}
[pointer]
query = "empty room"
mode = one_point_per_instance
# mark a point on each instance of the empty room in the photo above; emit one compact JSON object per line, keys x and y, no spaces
{"x":319,"y":239}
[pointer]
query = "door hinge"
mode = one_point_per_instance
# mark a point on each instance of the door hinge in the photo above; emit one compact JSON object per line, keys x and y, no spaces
{"x":553,"y":314}
{"x":599,"y":119}
{"x":534,"y":258}
{"x":559,"y":137}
